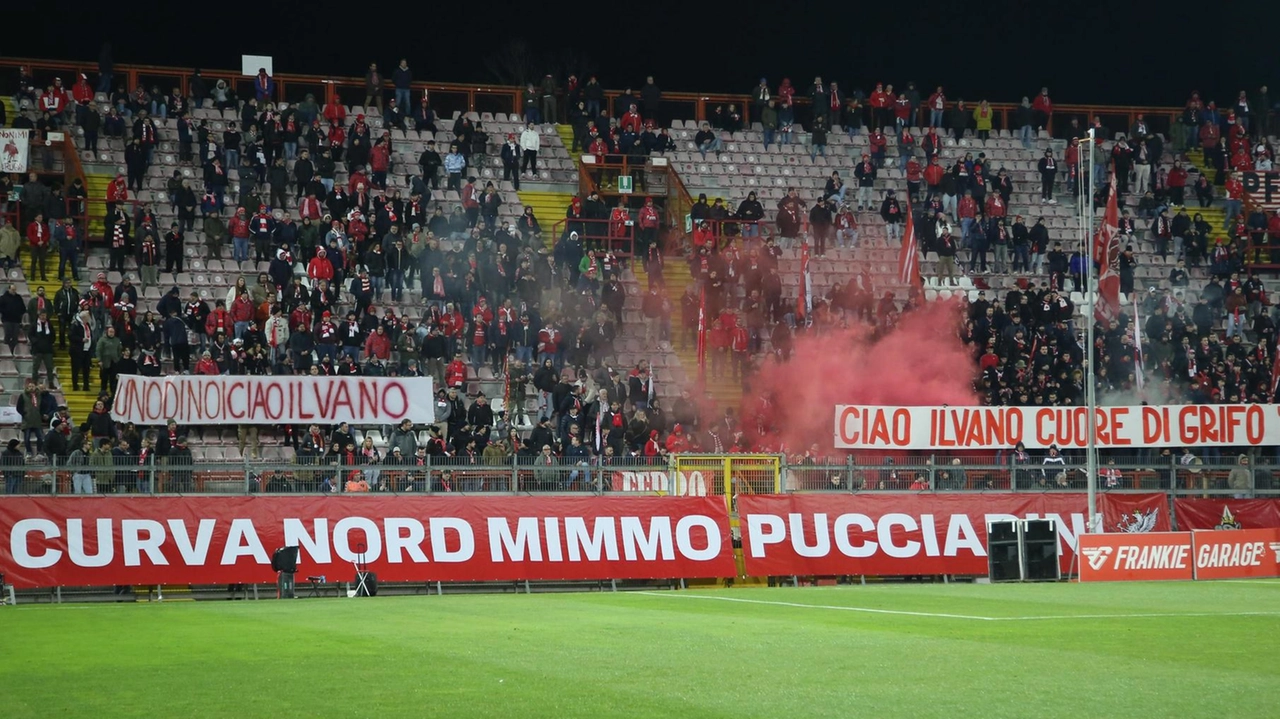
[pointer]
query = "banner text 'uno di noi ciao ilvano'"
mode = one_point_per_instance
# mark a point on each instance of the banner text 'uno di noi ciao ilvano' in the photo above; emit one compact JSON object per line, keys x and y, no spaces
{"x":238,"y":399}
{"x":1189,"y":425}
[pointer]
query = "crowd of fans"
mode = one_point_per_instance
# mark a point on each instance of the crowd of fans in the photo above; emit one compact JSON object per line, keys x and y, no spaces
{"x":541,"y":315}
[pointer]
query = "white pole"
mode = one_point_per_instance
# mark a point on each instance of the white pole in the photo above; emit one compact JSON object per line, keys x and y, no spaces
{"x":1091,"y":296}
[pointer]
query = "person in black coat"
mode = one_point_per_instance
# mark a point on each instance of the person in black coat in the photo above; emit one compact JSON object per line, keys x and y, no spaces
{"x":821,"y":222}
{"x":1048,"y":171}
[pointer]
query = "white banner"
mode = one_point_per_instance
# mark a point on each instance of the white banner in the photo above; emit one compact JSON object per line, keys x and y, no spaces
{"x":14,"y":150}
{"x":1189,"y":425}
{"x":241,"y":399}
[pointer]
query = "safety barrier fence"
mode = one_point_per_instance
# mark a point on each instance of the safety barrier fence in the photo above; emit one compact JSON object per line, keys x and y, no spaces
{"x":678,"y":475}
{"x":447,"y":98}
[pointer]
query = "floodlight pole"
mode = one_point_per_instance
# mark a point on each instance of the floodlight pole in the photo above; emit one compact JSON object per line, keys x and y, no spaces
{"x":1091,"y":297}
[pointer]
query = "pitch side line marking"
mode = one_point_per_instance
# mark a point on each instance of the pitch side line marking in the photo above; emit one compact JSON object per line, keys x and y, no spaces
{"x":1153,"y":615}
{"x":971,"y":617}
{"x":1267,"y":582}
{"x":865,"y":610}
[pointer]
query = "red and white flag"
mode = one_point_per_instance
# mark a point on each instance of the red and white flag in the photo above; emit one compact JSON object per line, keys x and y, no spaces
{"x":1106,"y":256}
{"x":1275,"y":374}
{"x":909,"y":255}
{"x":1137,"y":346}
{"x":804,"y":302}
{"x":702,"y":334}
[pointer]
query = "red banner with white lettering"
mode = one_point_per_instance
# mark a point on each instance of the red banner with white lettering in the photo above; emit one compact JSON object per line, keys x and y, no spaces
{"x":1237,"y":553}
{"x":1192,"y":425}
{"x":1149,"y":556}
{"x":661,"y":481}
{"x":93,"y":541}
{"x":240,"y":399}
{"x":908,"y":534}
{"x":1227,"y":513}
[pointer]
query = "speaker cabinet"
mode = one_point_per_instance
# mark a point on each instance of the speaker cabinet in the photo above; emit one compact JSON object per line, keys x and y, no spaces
{"x":1023,"y":550}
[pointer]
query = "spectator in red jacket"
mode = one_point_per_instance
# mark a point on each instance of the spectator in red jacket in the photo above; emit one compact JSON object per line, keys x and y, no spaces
{"x":937,"y":104}
{"x":241,"y":312}
{"x":238,"y":228}
{"x":218,"y":321}
{"x":378,"y":344}
{"x":82,"y":94}
{"x":455,"y":375}
{"x":335,"y":112}
{"x":320,"y":268}
{"x":879,"y":102}
{"x":1235,"y":196}
{"x":933,"y":177}
{"x":995,"y":208}
{"x":117,"y":192}
{"x":206,"y":365}
{"x":1042,"y":109}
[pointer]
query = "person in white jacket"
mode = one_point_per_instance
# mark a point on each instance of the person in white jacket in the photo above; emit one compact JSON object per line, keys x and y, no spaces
{"x":277,"y":332}
{"x":529,"y":142}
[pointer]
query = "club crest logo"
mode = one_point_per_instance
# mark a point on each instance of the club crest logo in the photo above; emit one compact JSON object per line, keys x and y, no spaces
{"x":1228,"y":520}
{"x":1138,"y":521}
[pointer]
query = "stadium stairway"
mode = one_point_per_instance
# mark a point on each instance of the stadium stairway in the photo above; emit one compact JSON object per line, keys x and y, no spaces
{"x":79,"y":403}
{"x":724,"y":391}
{"x":549,"y":208}
{"x":96,"y":185}
{"x":565,"y":132}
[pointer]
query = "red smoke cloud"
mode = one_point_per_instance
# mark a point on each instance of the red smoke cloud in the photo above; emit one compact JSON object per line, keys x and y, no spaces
{"x":921,"y":361}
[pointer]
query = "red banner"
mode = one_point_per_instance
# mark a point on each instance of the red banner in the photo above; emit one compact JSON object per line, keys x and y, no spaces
{"x":1134,"y":513}
{"x":1237,"y":554}
{"x":1227,"y":513}
{"x":909,"y":534}
{"x":46,"y":542}
{"x":659,"y":481}
{"x":1135,"y":557}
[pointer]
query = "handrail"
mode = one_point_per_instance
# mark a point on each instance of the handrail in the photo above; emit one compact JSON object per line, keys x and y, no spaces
{"x":620,"y":245}
{"x":72,"y":166}
{"x":700,"y":100}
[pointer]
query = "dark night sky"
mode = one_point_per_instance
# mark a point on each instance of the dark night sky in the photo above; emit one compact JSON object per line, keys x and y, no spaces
{"x":1116,"y":53}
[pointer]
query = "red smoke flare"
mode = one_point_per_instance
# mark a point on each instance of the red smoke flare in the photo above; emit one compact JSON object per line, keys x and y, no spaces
{"x":921,"y":361}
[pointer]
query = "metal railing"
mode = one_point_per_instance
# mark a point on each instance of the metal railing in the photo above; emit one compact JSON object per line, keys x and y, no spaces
{"x":681,"y":475}
{"x":518,"y":474}
{"x":447,"y":97}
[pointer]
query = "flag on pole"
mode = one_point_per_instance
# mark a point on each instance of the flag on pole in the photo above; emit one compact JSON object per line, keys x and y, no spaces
{"x":653,"y":382}
{"x":599,"y":419}
{"x":909,"y":255}
{"x":1106,"y":257}
{"x":1137,"y":345}
{"x":1275,"y":374}
{"x":702,"y":335}
{"x":804,"y":302}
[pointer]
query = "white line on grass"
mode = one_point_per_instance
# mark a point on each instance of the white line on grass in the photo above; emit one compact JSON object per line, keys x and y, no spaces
{"x":865,"y":610}
{"x":970,"y":617}
{"x":1152,"y":615}
{"x":1268,"y":582}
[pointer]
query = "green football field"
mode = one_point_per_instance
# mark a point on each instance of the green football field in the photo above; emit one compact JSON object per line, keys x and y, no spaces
{"x":1198,"y":649}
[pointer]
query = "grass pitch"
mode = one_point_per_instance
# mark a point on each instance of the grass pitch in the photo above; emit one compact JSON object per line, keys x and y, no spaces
{"x":1198,"y":649}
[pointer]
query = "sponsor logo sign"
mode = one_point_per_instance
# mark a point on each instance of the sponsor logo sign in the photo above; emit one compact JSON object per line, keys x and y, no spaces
{"x":1131,"y":556}
{"x":1237,"y":554}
